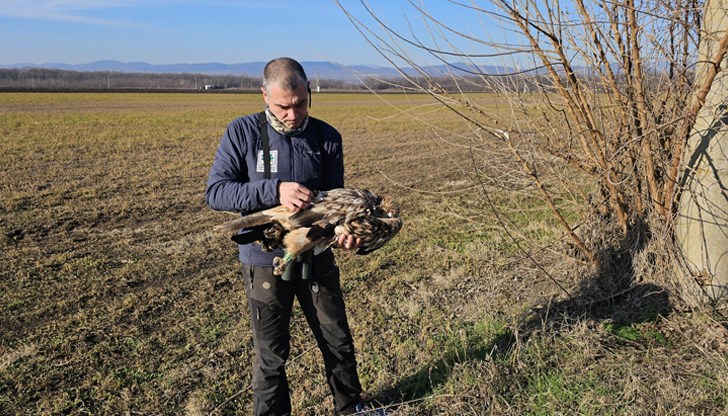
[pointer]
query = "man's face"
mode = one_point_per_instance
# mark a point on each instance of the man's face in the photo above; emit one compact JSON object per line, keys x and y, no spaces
{"x":290,"y":107}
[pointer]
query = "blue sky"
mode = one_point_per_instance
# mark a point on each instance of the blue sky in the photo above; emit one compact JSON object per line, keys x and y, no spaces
{"x":179,"y":31}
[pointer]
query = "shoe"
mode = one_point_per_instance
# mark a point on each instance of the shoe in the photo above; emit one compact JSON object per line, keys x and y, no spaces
{"x":363,"y":408}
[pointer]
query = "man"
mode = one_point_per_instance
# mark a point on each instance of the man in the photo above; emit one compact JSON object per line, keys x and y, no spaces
{"x":303,"y":154}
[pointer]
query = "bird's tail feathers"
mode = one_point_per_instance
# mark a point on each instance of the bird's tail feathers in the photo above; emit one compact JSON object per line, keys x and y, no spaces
{"x":257,"y":218}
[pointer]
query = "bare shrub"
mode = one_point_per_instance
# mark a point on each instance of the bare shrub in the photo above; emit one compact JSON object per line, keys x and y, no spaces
{"x":601,"y":98}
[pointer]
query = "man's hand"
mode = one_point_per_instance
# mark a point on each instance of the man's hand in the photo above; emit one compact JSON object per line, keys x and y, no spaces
{"x":348,"y":242}
{"x":294,"y":196}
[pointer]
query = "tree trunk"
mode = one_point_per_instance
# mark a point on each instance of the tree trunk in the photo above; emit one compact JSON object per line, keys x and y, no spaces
{"x":702,"y":217}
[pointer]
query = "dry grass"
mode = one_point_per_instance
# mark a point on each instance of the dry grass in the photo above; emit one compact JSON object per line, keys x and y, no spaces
{"x":117,"y":299}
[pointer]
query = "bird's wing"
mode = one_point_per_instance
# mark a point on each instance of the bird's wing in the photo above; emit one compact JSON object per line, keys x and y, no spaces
{"x":251,"y":235}
{"x":321,"y":214}
{"x":321,"y":232}
{"x":278,"y":213}
{"x":376,"y":232}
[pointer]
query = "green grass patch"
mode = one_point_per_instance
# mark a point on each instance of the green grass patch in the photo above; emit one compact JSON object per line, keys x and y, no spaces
{"x":639,"y":333}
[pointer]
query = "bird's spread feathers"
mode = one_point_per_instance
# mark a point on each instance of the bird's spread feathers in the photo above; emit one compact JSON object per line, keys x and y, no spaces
{"x":358,"y":212}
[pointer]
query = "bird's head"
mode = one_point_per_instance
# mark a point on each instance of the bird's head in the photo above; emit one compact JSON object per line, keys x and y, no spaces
{"x":389,"y":207}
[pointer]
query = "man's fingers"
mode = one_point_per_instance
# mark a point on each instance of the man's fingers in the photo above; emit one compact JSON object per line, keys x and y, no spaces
{"x":343,"y":241}
{"x":294,"y":196}
{"x":305,"y":194}
{"x":348,"y":242}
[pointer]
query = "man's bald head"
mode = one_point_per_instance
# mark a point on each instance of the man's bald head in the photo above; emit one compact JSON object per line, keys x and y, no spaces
{"x":286,"y":73}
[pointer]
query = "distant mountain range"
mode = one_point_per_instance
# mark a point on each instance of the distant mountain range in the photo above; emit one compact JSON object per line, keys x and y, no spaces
{"x":314,"y":69}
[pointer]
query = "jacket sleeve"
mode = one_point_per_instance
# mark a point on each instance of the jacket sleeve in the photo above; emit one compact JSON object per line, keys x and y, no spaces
{"x":229,"y":187}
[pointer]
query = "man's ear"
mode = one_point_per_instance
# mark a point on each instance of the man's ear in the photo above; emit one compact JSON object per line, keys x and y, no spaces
{"x":265,"y":95}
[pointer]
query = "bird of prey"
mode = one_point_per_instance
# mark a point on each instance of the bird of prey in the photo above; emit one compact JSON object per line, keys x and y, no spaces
{"x":358,"y":212}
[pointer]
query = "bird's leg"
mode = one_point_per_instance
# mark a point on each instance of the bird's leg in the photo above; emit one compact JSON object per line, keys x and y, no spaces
{"x":296,"y":242}
{"x":280,"y":264}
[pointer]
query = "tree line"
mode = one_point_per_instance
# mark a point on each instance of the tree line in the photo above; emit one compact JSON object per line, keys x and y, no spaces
{"x":46,"y":79}
{"x":57,"y":79}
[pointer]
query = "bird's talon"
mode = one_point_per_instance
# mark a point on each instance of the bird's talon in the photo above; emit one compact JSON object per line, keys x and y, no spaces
{"x":279,"y":266}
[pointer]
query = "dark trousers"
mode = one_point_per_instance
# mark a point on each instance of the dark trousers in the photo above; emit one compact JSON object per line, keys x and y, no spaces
{"x":271,"y":300}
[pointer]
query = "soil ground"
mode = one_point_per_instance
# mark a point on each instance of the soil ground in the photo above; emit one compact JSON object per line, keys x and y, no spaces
{"x":117,"y":298}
